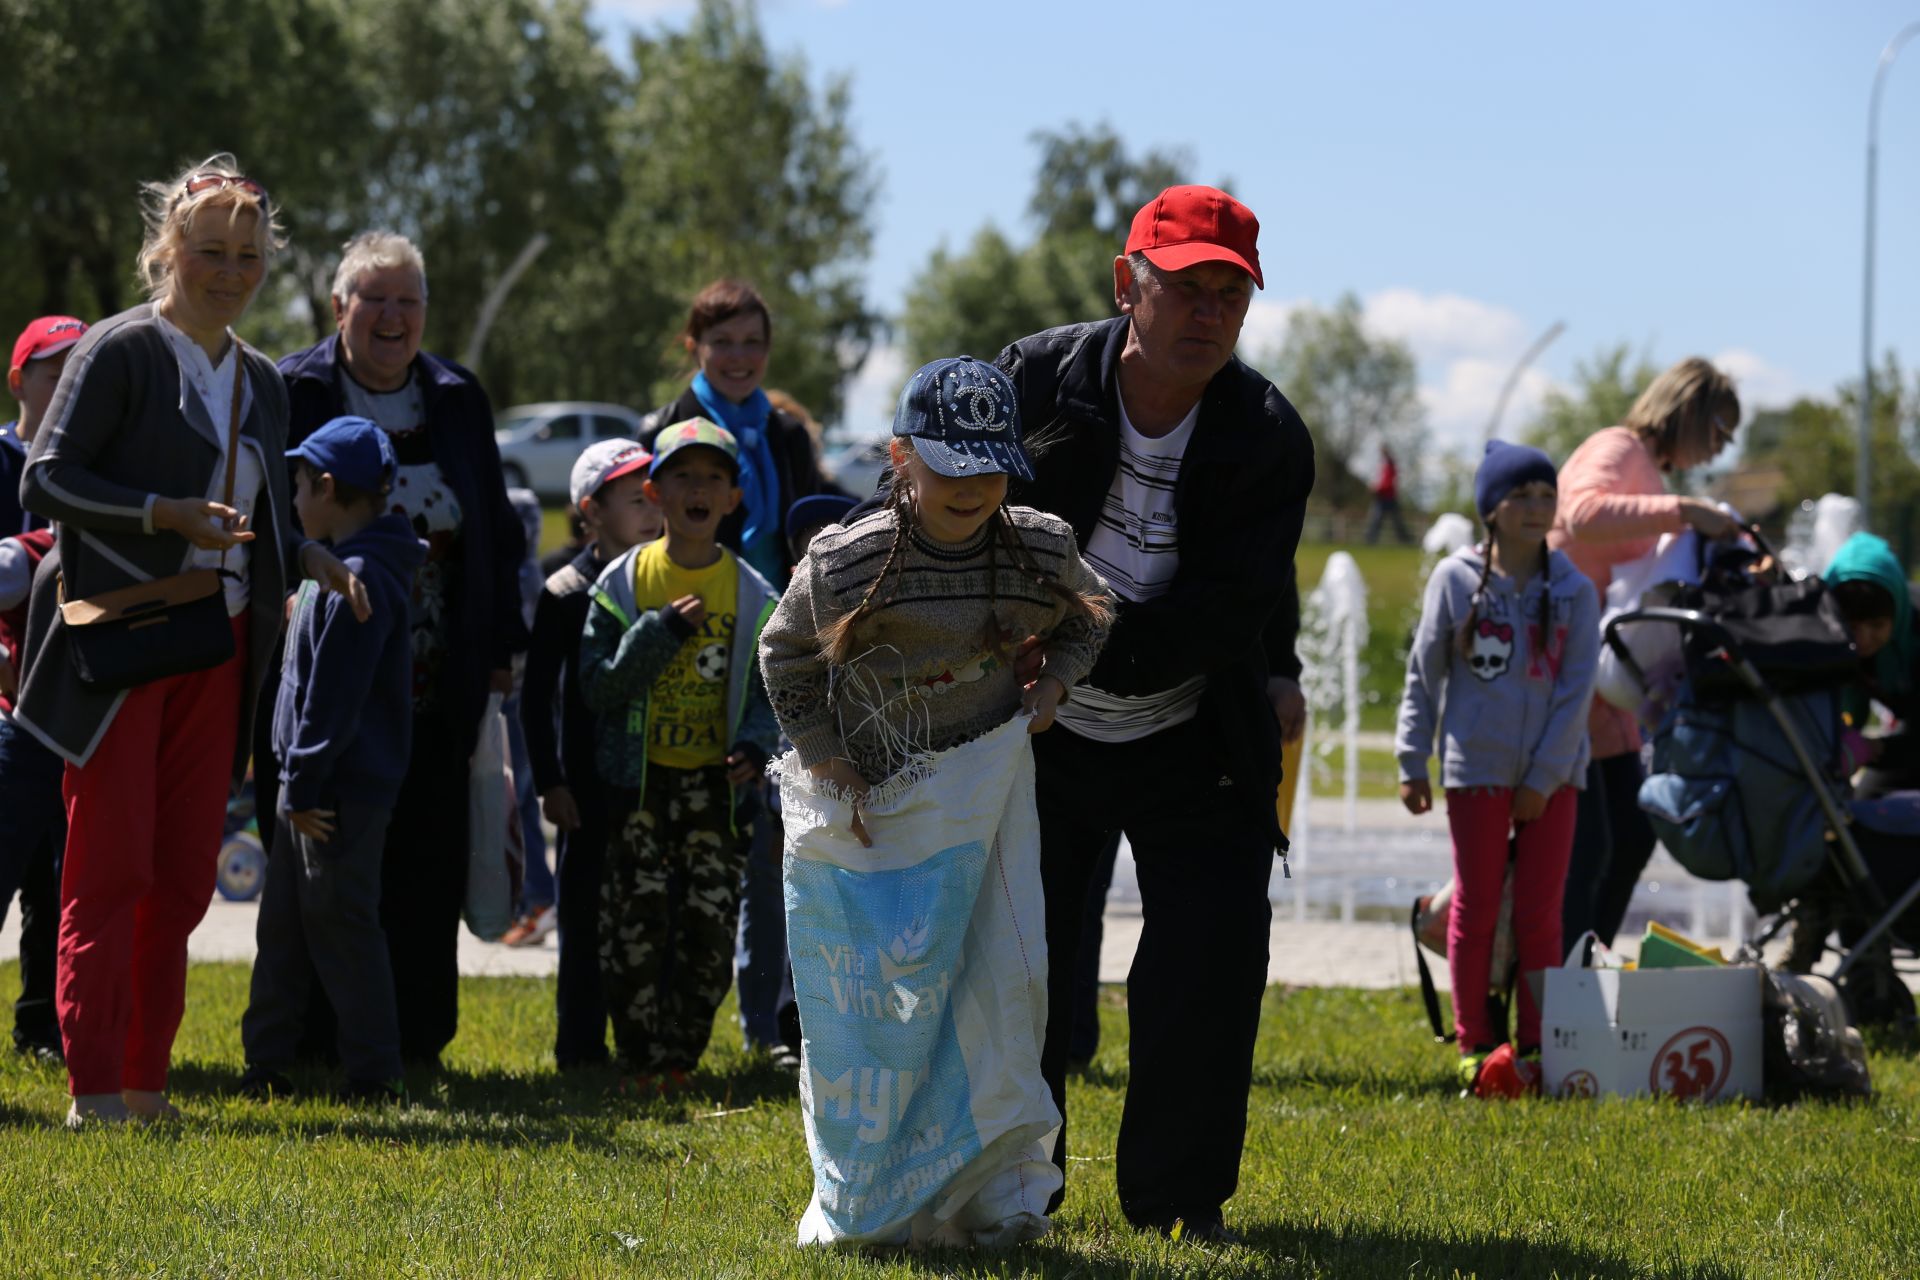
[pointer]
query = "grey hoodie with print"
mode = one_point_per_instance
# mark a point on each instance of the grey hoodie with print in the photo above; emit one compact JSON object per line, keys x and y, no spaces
{"x":1511,"y":712}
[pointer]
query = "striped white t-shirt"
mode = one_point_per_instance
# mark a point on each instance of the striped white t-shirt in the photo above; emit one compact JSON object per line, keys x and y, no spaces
{"x":1136,"y":548}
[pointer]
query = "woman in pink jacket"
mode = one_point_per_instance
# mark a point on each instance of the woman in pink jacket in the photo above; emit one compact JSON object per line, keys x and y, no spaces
{"x":1613,"y":508}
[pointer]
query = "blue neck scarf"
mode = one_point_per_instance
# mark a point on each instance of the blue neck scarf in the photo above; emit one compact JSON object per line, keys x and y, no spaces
{"x":759,"y":480}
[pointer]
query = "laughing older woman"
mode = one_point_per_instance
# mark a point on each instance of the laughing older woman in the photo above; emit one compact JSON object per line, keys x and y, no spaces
{"x":163,"y":453}
{"x":466,"y":608}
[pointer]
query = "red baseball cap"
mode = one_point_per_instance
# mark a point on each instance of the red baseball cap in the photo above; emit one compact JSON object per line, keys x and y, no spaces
{"x":47,"y":336}
{"x":1183,"y":226}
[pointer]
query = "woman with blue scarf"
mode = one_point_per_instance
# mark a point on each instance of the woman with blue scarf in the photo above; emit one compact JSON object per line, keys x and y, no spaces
{"x":1871,"y":588}
{"x":729,"y":336}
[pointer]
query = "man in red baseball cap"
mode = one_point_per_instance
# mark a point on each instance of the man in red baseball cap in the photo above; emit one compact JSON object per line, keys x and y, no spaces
{"x":39,"y":354}
{"x":1185,"y":475}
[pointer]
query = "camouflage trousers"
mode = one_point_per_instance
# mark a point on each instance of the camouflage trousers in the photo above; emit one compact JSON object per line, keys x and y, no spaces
{"x":668,"y":906}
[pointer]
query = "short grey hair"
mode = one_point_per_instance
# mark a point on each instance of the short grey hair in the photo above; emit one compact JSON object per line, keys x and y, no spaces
{"x":376,"y":251}
{"x":1143,"y":268}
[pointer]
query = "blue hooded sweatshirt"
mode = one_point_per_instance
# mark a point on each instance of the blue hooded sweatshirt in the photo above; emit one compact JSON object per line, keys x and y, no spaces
{"x":343,"y":724}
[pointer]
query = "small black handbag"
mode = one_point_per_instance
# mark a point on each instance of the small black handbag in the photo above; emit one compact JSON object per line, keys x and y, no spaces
{"x":167,"y":627}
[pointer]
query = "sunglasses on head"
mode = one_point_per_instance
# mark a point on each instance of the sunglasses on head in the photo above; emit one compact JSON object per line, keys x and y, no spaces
{"x":200,"y":182}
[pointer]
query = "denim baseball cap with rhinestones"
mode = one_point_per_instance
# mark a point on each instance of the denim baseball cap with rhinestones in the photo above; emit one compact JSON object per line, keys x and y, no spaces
{"x":964,"y":418}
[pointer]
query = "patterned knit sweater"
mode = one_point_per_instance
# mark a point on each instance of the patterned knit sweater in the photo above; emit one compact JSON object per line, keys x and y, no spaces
{"x":924,"y":675}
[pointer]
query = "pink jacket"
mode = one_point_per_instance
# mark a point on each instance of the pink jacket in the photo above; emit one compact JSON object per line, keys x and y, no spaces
{"x":1613,"y":508}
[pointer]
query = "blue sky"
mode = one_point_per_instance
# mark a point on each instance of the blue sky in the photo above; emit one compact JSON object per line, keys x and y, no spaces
{"x":1688,"y":178}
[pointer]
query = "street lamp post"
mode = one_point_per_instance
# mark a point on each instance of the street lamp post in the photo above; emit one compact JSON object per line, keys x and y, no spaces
{"x":1863,"y":465}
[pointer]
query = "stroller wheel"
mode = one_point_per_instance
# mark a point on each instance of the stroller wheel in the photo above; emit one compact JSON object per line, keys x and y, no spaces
{"x":243,"y":868}
{"x":1875,"y":995}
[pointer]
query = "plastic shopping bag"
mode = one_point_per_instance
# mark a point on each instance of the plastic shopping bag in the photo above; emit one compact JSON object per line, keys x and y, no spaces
{"x":492,"y":832}
{"x":920,"y":968}
{"x":1657,"y":649}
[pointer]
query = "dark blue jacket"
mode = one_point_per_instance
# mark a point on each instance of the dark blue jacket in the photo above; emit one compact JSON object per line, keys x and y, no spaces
{"x":343,"y":723}
{"x":13,"y":460}
{"x":486,"y":628}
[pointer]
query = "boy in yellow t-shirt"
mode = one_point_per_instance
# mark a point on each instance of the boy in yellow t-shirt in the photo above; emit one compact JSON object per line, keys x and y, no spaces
{"x":668,"y":667}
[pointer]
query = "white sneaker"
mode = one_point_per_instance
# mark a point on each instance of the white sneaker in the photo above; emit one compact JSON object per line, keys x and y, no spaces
{"x":532,"y":929}
{"x":91,"y":1110}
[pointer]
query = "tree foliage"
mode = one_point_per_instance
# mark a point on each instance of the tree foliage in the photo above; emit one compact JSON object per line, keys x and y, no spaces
{"x":470,"y":125}
{"x":1356,"y":391}
{"x":1604,"y":388}
{"x":1086,"y":189}
{"x":1814,"y":443}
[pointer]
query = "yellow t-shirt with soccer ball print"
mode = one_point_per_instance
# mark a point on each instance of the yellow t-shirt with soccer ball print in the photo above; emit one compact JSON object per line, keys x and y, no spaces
{"x":687,"y":715}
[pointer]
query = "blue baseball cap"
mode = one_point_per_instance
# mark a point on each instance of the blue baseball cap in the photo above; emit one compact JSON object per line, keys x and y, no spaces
{"x":964,"y":418}
{"x":354,"y":451}
{"x":817,"y":509}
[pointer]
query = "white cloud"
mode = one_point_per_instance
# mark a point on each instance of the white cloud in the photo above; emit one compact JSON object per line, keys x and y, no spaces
{"x":1465,"y":350}
{"x":1439,"y":325}
{"x":1761,"y":385}
{"x":1265,"y":327}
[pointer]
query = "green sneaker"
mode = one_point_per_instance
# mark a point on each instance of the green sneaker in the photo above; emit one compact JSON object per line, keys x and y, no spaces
{"x":1469,"y":1068}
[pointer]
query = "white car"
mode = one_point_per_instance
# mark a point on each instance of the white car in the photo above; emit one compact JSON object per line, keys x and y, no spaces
{"x":539,"y":442}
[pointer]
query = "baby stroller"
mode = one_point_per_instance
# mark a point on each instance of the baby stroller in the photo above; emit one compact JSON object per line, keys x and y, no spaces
{"x":1748,"y":783}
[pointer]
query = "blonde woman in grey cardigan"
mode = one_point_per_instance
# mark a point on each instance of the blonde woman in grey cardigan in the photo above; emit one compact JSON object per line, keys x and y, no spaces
{"x":132,"y":462}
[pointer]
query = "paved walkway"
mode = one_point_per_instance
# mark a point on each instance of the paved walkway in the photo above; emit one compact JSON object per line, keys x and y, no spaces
{"x":1351,"y":931}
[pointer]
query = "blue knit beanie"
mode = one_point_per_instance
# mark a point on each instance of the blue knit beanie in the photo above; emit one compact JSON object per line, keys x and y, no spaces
{"x":1505,"y":468}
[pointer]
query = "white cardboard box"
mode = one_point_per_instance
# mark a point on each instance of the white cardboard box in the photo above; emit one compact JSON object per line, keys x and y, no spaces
{"x":1691,"y":1033}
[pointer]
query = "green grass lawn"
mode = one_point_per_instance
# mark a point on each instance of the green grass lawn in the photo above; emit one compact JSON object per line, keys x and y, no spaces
{"x":1361,"y":1161}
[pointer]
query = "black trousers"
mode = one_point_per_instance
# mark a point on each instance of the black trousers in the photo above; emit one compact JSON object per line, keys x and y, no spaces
{"x":1203,"y":854}
{"x":580,"y":1035}
{"x":423,"y":886}
{"x":1612,"y":841}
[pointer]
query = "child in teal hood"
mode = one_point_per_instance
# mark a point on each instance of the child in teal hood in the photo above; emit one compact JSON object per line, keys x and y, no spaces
{"x":1871,"y":588}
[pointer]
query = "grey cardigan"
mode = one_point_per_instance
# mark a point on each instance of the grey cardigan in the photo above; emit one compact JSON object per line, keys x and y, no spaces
{"x":124,"y":430}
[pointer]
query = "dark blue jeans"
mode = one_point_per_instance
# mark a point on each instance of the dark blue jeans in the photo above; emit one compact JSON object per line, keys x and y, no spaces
{"x":760,"y":948}
{"x":33,"y":833}
{"x":538,"y":889}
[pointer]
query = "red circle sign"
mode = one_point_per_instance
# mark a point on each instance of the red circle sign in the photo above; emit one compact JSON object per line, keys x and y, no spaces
{"x":1693,"y":1064}
{"x":1580,"y":1084}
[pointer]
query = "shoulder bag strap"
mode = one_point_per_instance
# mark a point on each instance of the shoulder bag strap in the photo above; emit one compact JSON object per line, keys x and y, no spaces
{"x":233,"y":428}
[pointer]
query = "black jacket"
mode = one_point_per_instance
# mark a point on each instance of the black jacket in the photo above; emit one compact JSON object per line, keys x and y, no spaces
{"x":793,"y":457}
{"x":1231,"y":611}
{"x":558,"y":725}
{"x":487,"y":628}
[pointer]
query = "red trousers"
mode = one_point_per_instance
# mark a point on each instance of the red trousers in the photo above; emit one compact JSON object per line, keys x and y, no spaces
{"x":1480,"y":819}
{"x":145,"y":818}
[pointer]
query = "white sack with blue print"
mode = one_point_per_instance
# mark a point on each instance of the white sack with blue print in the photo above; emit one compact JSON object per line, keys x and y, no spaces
{"x":920,"y":967}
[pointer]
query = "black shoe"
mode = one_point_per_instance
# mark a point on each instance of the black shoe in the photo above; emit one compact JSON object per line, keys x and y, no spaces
{"x":379,"y":1093}
{"x":784,"y":1059}
{"x":263,"y":1084}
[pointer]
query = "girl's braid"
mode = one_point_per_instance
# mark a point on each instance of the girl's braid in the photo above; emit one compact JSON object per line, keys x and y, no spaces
{"x":1464,"y":639}
{"x":837,"y":637}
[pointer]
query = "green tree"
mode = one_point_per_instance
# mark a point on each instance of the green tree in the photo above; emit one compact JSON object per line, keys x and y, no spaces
{"x":1356,"y":392}
{"x":1086,"y":190}
{"x":1604,"y":388}
{"x":1814,"y":444}
{"x":730,"y":164}
{"x":470,"y":125}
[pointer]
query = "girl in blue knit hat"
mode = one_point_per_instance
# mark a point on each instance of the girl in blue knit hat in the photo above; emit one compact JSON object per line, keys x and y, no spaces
{"x":1502,"y":670}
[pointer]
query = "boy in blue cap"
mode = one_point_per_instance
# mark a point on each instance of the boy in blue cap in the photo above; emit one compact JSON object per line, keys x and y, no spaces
{"x":668,"y":667}
{"x":342,"y":732}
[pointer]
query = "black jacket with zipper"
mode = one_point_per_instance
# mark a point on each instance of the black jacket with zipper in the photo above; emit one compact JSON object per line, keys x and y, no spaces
{"x":1231,"y":612}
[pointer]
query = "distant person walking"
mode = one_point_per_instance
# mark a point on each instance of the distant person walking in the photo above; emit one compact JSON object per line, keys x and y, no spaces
{"x":1386,"y":500}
